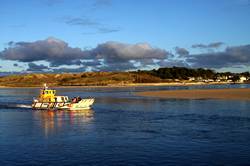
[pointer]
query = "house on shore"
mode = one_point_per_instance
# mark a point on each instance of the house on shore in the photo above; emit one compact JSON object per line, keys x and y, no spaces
{"x":242,"y":79}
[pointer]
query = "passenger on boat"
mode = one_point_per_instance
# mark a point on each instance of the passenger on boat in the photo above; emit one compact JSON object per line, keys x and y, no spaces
{"x":74,"y":100}
{"x":78,"y":98}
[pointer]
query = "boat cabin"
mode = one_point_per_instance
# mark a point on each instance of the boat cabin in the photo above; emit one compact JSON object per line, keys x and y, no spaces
{"x":49,"y":95}
{"x":61,"y":99}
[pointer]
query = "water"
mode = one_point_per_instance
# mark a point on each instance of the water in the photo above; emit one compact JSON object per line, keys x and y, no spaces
{"x":124,"y":129}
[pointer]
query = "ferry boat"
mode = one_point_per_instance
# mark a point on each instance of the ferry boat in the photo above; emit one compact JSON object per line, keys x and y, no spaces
{"x":47,"y":100}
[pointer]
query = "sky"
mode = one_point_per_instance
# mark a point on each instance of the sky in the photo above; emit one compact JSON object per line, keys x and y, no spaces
{"x":117,"y":35}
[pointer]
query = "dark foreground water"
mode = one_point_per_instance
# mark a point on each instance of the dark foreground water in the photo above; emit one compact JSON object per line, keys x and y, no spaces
{"x":124,"y":129}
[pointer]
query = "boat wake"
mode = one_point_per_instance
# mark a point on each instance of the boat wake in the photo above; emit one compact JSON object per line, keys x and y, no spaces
{"x":15,"y":106}
{"x":23,"y":106}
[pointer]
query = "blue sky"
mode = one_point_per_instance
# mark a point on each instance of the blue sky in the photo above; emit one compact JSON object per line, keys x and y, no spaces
{"x":161,"y":25}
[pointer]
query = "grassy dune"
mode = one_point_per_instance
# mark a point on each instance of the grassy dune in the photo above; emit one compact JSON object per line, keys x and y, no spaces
{"x":78,"y":79}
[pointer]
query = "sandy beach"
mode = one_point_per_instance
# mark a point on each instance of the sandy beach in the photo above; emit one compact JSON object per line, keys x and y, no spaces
{"x":226,"y":94}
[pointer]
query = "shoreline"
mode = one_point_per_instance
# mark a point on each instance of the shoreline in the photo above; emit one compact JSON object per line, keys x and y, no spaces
{"x":130,"y":85}
{"x":222,"y":94}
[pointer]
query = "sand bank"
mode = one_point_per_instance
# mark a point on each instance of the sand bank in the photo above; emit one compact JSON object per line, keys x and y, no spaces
{"x":228,"y":94}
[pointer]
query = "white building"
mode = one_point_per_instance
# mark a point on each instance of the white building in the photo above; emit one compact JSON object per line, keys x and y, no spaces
{"x":191,"y":78}
{"x":242,"y":79}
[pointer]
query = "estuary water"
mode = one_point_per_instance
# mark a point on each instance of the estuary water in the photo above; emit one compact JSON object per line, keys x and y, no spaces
{"x":124,"y":129}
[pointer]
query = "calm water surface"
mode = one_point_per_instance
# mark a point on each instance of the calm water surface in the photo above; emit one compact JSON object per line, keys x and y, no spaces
{"x":124,"y":129}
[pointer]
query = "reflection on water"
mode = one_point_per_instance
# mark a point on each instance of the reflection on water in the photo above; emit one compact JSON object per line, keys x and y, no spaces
{"x":52,"y":121}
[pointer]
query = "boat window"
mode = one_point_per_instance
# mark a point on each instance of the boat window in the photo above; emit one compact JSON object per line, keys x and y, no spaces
{"x":62,"y":98}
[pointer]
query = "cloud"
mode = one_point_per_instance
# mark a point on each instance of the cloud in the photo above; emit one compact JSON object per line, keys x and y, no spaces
{"x":52,"y":50}
{"x":182,"y":52}
{"x":116,"y":51}
{"x":171,"y":63}
{"x":99,"y":28}
{"x":88,"y":22}
{"x":121,"y":66}
{"x":215,"y":44}
{"x":91,"y":63}
{"x":69,"y":70}
{"x":208,"y":46}
{"x":108,"y":30}
{"x":83,"y":21}
{"x":230,"y":57}
{"x":37,"y":68}
{"x":17,"y":65}
{"x":106,"y":56}
{"x":120,"y":56}
{"x":115,"y":54}
{"x":102,"y":31}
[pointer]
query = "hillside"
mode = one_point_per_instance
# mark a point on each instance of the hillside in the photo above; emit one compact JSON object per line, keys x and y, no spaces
{"x":78,"y":79}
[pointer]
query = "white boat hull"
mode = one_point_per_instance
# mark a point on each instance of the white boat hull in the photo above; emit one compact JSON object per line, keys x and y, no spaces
{"x":81,"y":105}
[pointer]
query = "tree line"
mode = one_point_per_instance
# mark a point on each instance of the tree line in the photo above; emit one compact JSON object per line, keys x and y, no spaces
{"x":184,"y":73}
